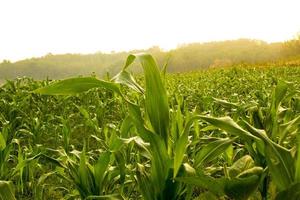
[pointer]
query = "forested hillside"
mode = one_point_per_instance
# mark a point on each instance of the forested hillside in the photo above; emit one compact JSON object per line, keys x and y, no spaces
{"x":187,"y":57}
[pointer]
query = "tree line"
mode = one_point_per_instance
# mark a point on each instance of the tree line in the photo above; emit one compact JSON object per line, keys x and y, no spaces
{"x":188,"y":57}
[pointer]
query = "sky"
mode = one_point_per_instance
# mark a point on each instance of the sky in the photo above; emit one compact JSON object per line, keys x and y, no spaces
{"x":34,"y":28}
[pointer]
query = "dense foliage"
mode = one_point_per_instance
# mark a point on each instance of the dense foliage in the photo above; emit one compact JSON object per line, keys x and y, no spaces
{"x":216,"y":134}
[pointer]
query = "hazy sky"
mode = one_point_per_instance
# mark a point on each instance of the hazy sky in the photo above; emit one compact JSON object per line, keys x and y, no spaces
{"x":31,"y":28}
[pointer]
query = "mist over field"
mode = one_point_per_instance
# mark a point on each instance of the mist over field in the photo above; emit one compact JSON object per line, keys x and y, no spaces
{"x":185,"y":58}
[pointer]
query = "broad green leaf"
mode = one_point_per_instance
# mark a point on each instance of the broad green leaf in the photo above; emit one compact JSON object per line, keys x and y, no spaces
{"x":164,"y":68}
{"x":115,"y":142}
{"x":83,"y":173}
{"x":76,"y":85}
{"x":121,"y":164}
{"x":127,"y":79}
{"x":130,"y":59}
{"x":225,"y":103}
{"x":241,"y":188}
{"x":136,"y":118}
{"x":125,"y":127}
{"x":242,"y":164}
{"x":281,"y":165}
{"x":297,"y":173}
{"x":181,"y":145}
{"x":288,"y":128}
{"x":2,"y":142}
{"x":106,"y":197}
{"x":156,"y":100}
{"x":227,"y":124}
{"x":160,"y":163}
{"x":6,"y":191}
{"x":277,"y":96}
{"x":39,"y":188}
{"x":212,"y":150}
{"x":236,"y":188}
{"x":137,"y":141}
{"x":53,"y":161}
{"x":252,"y":171}
{"x":144,"y":183}
{"x":203,"y":181}
{"x":279,"y":159}
{"x":100,"y":168}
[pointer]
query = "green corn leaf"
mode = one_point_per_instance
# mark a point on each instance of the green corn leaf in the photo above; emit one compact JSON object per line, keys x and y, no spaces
{"x":6,"y":191}
{"x":100,"y":168}
{"x":160,"y":163}
{"x":127,"y":79}
{"x":236,"y":188}
{"x":106,"y":197}
{"x":250,"y":172}
{"x":241,"y":188}
{"x":125,"y":127}
{"x":83,"y":173}
{"x":288,"y":128}
{"x":76,"y":85}
{"x":156,"y":100}
{"x":280,"y":160}
{"x":130,"y":59}
{"x":214,"y":185}
{"x":164,"y":68}
{"x":227,"y":124}
{"x":121,"y":164}
{"x":138,"y":142}
{"x":225,"y":103}
{"x":39,"y":188}
{"x":241,"y":165}
{"x":2,"y":142}
{"x":136,"y":118}
{"x":277,"y":96}
{"x":144,"y":183}
{"x":115,"y":143}
{"x":212,"y":150}
{"x":181,"y":145}
{"x":297,"y":173}
{"x":53,"y":160}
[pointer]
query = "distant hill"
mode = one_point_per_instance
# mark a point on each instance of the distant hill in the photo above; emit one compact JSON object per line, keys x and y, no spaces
{"x":184,"y":58}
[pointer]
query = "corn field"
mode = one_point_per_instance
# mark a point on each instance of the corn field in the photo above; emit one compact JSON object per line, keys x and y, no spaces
{"x":216,"y":134}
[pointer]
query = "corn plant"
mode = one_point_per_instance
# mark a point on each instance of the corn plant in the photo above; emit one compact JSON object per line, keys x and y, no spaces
{"x":152,"y":128}
{"x":92,"y":179}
